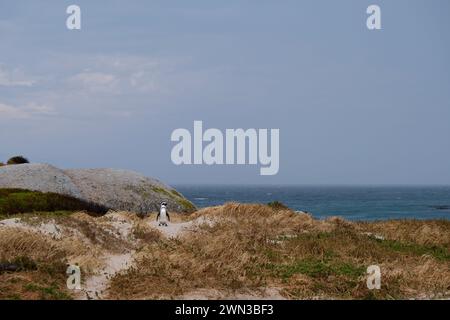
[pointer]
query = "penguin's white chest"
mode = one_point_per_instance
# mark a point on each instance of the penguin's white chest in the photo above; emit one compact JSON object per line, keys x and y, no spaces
{"x":163,"y":215}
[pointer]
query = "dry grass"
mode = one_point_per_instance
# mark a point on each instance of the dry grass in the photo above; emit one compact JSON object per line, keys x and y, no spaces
{"x":41,"y":262}
{"x":43,"y":257}
{"x":100,"y":232}
{"x":254,"y":246}
{"x":145,"y":234}
{"x":432,"y":232}
{"x":231,"y":248}
{"x":16,"y":243}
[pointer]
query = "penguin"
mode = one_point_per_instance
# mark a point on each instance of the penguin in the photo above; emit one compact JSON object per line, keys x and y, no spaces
{"x":163,"y":215}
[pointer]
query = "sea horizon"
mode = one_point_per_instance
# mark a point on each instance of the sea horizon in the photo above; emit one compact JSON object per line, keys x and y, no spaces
{"x":352,"y":202}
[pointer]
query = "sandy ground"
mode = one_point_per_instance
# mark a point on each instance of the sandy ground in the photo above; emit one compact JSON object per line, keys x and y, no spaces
{"x":95,"y":286}
{"x":212,"y":294}
{"x":173,"y":230}
{"x":48,"y":228}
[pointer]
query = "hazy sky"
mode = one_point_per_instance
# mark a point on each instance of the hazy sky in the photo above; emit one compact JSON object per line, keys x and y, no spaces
{"x":353,"y":106}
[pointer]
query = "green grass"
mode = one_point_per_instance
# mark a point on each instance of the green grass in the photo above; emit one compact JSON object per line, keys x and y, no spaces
{"x":161,"y":190}
{"x":16,"y":201}
{"x":187,"y":205}
{"x":43,"y":279}
{"x":438,"y":252}
{"x":316,"y":268}
{"x":51,"y":292}
{"x":176,"y":193}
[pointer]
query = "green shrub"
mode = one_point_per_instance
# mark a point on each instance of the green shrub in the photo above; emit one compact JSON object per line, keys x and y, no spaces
{"x":277,"y":205}
{"x":18,"y":160}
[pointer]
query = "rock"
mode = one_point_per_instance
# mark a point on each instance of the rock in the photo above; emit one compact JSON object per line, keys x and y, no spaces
{"x":441,"y":207}
{"x":112,"y":188}
{"x":9,"y":267}
{"x":37,"y":177}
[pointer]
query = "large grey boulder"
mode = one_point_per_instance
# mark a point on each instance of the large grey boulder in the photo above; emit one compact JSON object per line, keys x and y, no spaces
{"x":113,"y":188}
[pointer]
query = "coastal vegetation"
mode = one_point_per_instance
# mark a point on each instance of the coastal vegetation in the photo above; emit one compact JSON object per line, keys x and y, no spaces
{"x":14,"y":201}
{"x":277,"y":205}
{"x":17,"y":160}
{"x":249,"y":247}
{"x":38,"y":267}
{"x":177,"y":197}
{"x":225,"y":252}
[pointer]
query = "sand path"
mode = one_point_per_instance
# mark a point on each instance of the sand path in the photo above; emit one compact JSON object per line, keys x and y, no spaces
{"x":174,"y":230}
{"x":95,"y":286}
{"x":213,"y":294}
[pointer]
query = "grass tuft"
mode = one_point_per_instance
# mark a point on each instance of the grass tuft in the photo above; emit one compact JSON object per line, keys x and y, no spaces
{"x":277,"y":205}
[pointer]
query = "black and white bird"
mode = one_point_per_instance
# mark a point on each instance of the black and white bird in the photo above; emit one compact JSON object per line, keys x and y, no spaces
{"x":163,"y":215}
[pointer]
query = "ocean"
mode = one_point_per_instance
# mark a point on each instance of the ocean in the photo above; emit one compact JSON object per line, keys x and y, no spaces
{"x":366,"y":203}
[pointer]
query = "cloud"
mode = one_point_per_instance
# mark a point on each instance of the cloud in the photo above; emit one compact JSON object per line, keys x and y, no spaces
{"x":112,"y":85}
{"x":25,"y":112}
{"x":119,"y":74}
{"x":11,"y":112}
{"x":95,"y":81}
{"x":39,"y":109}
{"x":14,"y":78}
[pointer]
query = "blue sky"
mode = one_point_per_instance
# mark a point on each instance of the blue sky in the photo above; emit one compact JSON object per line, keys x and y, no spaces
{"x":353,"y":106}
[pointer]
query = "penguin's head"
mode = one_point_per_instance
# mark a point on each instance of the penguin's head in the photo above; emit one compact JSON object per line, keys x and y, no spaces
{"x":163,"y":204}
